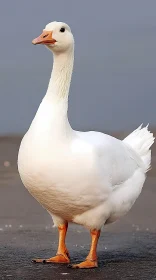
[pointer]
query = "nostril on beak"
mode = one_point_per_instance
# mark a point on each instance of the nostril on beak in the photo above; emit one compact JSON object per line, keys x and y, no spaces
{"x":45,"y":35}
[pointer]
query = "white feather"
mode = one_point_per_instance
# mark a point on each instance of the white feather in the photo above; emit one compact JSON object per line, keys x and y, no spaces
{"x":141,"y":141}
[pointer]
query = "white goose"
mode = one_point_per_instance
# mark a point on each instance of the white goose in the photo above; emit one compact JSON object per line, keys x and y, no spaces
{"x":87,"y":178}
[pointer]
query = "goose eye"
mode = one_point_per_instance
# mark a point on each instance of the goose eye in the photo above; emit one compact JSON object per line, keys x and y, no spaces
{"x":62,"y":29}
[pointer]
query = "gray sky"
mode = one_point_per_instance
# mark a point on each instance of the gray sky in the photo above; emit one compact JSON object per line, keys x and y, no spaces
{"x":114,"y":80}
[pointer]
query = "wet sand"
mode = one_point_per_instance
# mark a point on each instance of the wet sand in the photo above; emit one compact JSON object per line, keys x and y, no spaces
{"x":127,"y":249}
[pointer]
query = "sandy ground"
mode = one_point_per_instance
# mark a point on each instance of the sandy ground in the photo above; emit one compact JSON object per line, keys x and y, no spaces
{"x":127,"y":249}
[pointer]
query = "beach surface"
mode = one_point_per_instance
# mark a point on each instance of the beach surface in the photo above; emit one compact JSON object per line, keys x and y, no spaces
{"x":126,"y":250}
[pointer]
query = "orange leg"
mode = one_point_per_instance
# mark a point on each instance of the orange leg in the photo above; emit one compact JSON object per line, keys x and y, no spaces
{"x":91,"y":260}
{"x":62,"y":255}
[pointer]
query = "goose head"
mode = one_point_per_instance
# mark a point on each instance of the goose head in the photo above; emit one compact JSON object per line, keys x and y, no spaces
{"x":56,"y":36}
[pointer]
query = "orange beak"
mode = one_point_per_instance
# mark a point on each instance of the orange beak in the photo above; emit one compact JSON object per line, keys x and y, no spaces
{"x":45,"y":38}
